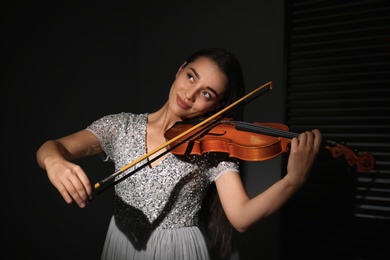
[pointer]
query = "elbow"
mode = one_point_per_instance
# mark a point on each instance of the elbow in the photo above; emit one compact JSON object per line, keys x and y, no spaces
{"x":241,"y":230}
{"x":239,"y":226}
{"x":244,"y":222}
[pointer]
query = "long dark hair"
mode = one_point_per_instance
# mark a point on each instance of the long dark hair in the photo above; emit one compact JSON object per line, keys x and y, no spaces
{"x":221,"y":235}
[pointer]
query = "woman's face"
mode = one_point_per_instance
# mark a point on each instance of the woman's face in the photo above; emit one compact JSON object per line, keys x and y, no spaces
{"x":198,"y":88}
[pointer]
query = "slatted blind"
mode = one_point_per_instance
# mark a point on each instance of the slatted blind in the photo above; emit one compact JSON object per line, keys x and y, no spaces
{"x":338,"y":80}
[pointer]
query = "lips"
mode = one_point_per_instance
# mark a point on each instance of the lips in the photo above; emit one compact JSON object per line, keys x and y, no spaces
{"x":181,"y":103}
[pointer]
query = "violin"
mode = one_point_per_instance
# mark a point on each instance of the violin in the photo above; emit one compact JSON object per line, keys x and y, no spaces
{"x":252,"y":142}
{"x":246,"y":141}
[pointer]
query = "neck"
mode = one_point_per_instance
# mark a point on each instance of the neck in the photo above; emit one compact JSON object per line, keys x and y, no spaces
{"x":162,"y":119}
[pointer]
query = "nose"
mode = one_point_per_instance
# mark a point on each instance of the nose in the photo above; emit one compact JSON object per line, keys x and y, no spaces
{"x":190,"y":94}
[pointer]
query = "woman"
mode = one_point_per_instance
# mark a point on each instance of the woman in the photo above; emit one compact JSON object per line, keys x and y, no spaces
{"x":158,"y":209}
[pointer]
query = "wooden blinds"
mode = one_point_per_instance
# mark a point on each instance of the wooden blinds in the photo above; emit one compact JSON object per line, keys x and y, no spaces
{"x":338,"y":80}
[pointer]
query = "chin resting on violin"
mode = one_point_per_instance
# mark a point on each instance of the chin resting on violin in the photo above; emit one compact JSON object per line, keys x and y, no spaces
{"x":169,"y":198}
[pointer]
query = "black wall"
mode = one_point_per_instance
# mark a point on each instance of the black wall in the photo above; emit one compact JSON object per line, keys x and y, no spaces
{"x":65,"y":65}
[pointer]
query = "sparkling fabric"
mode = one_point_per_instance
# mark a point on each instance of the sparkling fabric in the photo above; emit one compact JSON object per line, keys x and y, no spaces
{"x":159,"y":203}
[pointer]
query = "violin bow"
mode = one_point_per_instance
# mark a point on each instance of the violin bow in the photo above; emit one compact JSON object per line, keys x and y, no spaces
{"x":267,"y":86}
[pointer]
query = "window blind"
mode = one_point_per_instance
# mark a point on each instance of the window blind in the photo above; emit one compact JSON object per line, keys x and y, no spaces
{"x":338,"y":80}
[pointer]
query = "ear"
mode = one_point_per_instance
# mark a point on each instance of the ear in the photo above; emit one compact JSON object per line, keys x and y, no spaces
{"x":181,"y":67}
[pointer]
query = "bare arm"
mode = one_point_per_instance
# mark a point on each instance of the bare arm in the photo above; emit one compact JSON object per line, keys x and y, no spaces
{"x":55,"y":157}
{"x":243,"y":211}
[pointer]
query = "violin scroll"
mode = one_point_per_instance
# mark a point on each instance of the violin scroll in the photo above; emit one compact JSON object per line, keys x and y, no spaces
{"x":364,"y":161}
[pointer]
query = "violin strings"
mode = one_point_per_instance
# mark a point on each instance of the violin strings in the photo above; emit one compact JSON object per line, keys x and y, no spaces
{"x":264,"y":130}
{"x":245,"y":126}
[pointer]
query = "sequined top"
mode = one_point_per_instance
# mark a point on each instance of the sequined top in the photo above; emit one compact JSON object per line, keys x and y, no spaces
{"x":168,"y":195}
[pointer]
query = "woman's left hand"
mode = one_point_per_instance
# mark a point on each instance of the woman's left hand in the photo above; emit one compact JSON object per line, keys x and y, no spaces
{"x":303,"y":152}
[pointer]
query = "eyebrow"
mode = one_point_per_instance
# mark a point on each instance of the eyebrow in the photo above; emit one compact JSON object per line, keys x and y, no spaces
{"x":208,"y":87}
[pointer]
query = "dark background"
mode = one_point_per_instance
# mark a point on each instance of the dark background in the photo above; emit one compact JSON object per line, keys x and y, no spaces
{"x":67,"y":64}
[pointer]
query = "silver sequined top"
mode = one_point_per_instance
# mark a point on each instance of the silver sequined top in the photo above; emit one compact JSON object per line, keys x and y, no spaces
{"x":166,"y":196}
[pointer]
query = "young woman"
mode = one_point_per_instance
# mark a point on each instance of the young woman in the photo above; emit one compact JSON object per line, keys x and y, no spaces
{"x":158,"y":209}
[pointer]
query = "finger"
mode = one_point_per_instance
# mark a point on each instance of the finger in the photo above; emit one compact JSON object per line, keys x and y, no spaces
{"x":294,"y":144}
{"x":79,"y":186}
{"x":78,"y":191}
{"x":72,"y":189}
{"x":86,"y":183}
{"x":302,"y":138}
{"x":309,"y":139}
{"x":64,"y":193}
{"x":317,"y":138}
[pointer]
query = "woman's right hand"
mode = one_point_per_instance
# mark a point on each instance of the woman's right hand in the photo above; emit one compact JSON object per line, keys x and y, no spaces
{"x":56,"y":156}
{"x":70,"y":180}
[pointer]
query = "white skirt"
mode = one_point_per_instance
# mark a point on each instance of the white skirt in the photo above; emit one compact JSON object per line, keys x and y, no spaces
{"x":166,"y":244}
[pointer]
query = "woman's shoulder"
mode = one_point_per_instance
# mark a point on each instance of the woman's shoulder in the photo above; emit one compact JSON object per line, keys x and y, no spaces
{"x":124,"y":117}
{"x":118,"y":121}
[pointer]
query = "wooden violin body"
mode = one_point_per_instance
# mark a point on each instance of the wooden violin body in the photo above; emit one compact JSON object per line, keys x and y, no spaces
{"x":225,"y":138}
{"x":252,"y":142}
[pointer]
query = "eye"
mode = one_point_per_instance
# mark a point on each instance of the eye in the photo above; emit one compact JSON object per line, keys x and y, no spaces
{"x":190,"y":77}
{"x":207,"y":95}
